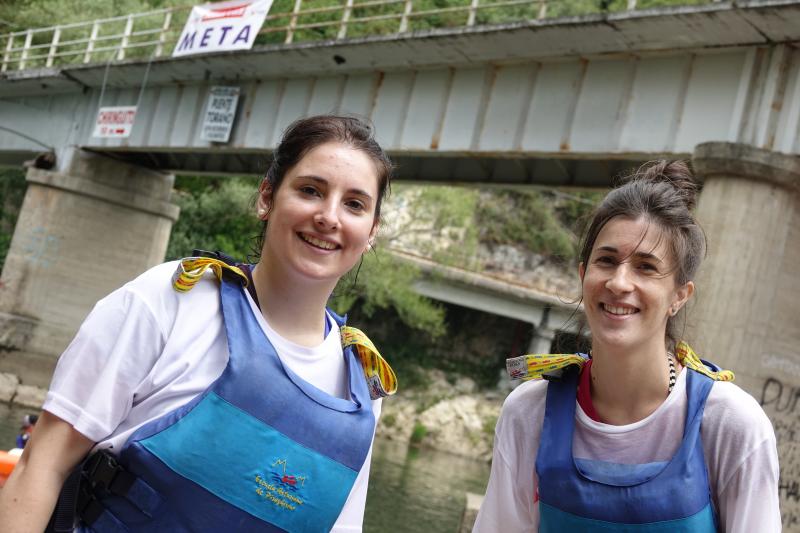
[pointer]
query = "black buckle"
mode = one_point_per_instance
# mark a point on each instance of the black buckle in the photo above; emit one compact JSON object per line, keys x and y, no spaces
{"x":89,"y":508}
{"x":103,"y":471}
{"x":214,"y":255}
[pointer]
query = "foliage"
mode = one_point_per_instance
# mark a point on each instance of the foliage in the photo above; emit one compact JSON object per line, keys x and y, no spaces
{"x":385,"y":282}
{"x":438,"y":221}
{"x":12,"y":191}
{"x":418,"y":433}
{"x":543,"y":222}
{"x":216,"y":215}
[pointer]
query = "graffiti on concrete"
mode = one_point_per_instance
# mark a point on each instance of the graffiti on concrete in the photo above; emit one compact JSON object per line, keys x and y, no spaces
{"x":40,"y":247}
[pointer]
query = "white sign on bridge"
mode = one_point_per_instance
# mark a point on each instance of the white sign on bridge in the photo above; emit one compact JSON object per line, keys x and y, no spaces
{"x":222,"y":26}
{"x":114,"y":122}
{"x":220,"y":112}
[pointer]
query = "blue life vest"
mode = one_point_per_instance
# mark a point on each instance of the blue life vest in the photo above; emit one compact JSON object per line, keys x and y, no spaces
{"x":592,"y":496}
{"x":260,"y":449}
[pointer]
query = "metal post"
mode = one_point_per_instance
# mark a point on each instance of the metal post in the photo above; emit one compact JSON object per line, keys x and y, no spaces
{"x":25,"y":48}
{"x":162,"y":37}
{"x":542,"y":9}
{"x":125,"y":37}
{"x":293,"y":22}
{"x":7,"y":54}
{"x":92,"y":38}
{"x":404,"y":19}
{"x":348,"y":8}
{"x":53,"y":46}
{"x":473,"y":11}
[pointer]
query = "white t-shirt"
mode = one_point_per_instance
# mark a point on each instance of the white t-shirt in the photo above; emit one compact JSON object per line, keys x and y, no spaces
{"x":145,"y":350}
{"x":738,"y":443}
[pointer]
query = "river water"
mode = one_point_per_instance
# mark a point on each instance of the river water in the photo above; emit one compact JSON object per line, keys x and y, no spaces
{"x":411,"y":490}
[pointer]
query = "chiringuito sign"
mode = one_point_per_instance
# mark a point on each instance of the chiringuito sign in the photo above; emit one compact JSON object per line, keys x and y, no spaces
{"x":220,"y":112}
{"x":222,"y":26}
{"x":114,"y":122}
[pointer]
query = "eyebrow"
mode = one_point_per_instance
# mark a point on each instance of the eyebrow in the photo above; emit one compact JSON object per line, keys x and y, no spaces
{"x":641,"y":255}
{"x":323,"y":181}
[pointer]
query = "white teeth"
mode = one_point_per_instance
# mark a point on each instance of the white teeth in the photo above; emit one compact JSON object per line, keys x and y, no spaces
{"x":317,"y":242}
{"x":619,"y":310}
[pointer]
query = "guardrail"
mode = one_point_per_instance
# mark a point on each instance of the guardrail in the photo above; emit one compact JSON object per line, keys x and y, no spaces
{"x":154,"y":33}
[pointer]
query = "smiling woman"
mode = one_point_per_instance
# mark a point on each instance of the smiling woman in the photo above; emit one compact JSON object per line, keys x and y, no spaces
{"x":641,"y":434}
{"x":236,"y":403}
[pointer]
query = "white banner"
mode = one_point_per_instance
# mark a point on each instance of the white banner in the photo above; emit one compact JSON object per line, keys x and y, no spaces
{"x":114,"y":122}
{"x":222,"y":26}
{"x":220,"y":112}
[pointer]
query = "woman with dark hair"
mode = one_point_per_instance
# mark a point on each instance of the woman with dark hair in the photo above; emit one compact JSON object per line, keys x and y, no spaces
{"x":640,"y":435}
{"x":226,"y":397}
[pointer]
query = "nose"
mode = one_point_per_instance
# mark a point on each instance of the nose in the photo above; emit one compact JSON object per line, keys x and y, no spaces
{"x":620,"y":281}
{"x":327,"y":218}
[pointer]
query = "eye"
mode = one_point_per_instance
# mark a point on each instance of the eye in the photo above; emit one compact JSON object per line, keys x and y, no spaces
{"x":356,"y":205}
{"x":648,"y":267}
{"x":604,"y":260}
{"x":309,"y":190}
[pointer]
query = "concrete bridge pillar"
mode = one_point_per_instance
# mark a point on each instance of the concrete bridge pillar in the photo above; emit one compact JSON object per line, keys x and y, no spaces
{"x":748,"y":295}
{"x":84,"y":229}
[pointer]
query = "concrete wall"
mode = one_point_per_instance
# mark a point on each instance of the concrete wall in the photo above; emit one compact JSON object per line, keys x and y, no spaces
{"x":748,"y":291}
{"x":83,"y":231}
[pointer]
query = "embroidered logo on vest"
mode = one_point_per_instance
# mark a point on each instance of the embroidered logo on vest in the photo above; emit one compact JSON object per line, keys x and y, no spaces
{"x":281,"y":488}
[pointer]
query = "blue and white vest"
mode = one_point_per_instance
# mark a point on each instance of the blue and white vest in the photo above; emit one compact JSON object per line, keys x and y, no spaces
{"x":260,"y":449}
{"x":593,"y":496}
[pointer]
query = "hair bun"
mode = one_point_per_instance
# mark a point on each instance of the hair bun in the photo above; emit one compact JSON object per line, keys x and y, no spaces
{"x":675,"y":173}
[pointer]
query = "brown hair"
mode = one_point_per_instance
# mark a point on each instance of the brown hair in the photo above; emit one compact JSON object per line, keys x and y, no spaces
{"x":664,"y":193}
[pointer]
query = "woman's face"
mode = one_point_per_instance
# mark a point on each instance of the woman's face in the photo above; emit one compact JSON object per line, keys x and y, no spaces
{"x":322,"y":217}
{"x":629,"y":288}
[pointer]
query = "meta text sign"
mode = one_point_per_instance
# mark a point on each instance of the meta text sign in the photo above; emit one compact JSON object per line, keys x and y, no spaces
{"x":222,"y":26}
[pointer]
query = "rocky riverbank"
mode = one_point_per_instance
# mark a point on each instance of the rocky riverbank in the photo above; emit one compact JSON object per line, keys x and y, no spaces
{"x":450,"y":415}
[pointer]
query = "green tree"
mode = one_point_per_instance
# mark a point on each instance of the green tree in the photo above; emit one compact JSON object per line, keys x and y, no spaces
{"x":12,"y":191}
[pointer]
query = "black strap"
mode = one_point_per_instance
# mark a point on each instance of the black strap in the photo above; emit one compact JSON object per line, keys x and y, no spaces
{"x":63,"y":519}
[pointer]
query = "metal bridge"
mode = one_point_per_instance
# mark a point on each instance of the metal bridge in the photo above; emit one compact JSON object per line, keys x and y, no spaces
{"x":512,"y":92}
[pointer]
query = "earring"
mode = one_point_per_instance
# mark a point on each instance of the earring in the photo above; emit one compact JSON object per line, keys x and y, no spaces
{"x":262,"y":213}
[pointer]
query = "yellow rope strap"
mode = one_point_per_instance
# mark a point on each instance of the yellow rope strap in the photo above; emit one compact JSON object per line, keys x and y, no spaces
{"x":191,"y":269}
{"x":380,"y":377}
{"x":534,"y":366}
{"x":690,"y":359}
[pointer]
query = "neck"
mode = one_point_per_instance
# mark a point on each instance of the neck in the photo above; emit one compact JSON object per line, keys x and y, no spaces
{"x":628,"y":384}
{"x":295,"y":310}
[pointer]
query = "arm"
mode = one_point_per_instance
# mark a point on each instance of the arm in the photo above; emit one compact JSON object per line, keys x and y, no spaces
{"x":30,"y":494}
{"x":507,"y":506}
{"x":749,"y":500}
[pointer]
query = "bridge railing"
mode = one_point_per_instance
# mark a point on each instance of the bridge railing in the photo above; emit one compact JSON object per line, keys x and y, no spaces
{"x":154,"y":33}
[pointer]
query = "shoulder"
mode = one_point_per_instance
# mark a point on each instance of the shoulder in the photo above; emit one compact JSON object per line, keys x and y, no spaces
{"x":520,"y":422}
{"x":732,"y":410}
{"x":528,"y":395}
{"x":736,"y":431}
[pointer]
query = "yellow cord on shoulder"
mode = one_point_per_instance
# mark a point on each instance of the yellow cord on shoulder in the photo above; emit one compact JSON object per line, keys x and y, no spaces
{"x":689,"y":359}
{"x":191,"y":269}
{"x":534,"y":366}
{"x":381,"y":379}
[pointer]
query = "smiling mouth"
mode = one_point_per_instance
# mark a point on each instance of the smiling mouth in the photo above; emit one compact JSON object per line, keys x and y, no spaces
{"x":618,"y":310}
{"x":319,"y":243}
